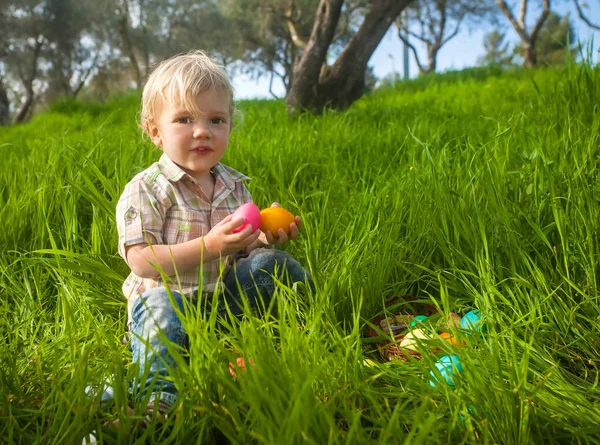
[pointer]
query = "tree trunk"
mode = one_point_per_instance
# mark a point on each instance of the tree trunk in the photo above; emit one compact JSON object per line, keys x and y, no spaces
{"x":307,"y":68}
{"x":123,"y":21}
{"x":27,"y":78}
{"x":341,"y":84}
{"x":432,"y":53}
{"x":24,"y":108}
{"x":529,"y":54}
{"x":4,"y":105}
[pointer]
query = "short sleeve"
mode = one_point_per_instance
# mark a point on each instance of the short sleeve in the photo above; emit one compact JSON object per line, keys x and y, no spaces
{"x":140,"y":214}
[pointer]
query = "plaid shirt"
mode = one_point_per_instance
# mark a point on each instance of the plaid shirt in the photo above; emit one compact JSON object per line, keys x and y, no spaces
{"x":165,"y":205}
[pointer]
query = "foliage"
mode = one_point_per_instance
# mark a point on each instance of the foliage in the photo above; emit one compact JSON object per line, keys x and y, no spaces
{"x":466,"y":191}
{"x":271,"y":33}
{"x":435,"y":22}
{"x":556,"y":42}
{"x":497,"y":51}
{"x":527,"y":29}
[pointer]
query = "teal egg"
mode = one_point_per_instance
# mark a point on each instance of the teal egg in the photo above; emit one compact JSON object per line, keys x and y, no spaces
{"x":474,"y":412}
{"x":473,"y":321}
{"x":448,"y":365}
{"x":418,"y":319}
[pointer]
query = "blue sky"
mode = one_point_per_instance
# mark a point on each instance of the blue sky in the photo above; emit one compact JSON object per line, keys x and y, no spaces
{"x":460,"y":52}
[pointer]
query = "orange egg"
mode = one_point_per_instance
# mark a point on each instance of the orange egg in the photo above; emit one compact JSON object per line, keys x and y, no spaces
{"x":451,"y":339}
{"x":274,"y":218}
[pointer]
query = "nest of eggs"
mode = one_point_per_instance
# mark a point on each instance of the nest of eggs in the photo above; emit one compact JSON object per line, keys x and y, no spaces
{"x":402,"y":332}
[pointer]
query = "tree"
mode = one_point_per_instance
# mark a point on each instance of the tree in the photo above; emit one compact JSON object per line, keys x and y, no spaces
{"x":496,"y":50}
{"x":437,"y":21}
{"x":4,"y":105}
{"x":24,"y":41}
{"x":316,"y":84}
{"x":122,"y":15}
{"x":528,"y":38}
{"x":73,"y":50}
{"x":4,"y":100}
{"x":152,"y":30}
{"x":555,"y":40}
{"x":46,"y":49}
{"x":273,"y":33}
{"x":580,"y":5}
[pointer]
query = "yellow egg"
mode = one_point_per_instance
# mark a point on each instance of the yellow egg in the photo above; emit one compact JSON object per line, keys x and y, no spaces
{"x":274,"y":218}
{"x":411,"y":341}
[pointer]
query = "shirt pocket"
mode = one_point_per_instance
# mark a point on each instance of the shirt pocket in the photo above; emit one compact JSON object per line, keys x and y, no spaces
{"x":183,"y":225}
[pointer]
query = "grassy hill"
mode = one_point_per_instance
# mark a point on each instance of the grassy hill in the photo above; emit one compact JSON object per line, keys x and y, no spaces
{"x":473,"y":190}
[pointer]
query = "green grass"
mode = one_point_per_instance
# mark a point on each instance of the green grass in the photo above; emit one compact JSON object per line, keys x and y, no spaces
{"x":469,"y":191}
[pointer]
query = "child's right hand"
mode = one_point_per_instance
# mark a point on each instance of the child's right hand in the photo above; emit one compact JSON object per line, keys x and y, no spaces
{"x":222,"y":241}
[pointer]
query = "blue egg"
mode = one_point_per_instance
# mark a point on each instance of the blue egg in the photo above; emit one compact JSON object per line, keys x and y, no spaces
{"x":447,"y":366}
{"x":472,"y":321}
{"x":418,"y":319}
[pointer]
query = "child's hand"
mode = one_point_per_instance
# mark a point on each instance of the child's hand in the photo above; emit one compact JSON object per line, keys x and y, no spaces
{"x":282,"y":236}
{"x":221,"y":241}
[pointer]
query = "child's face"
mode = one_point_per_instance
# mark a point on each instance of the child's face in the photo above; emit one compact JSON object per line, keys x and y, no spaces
{"x":195,"y":144}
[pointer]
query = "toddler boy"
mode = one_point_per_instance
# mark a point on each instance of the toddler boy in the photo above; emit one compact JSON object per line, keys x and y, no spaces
{"x":175,"y":217}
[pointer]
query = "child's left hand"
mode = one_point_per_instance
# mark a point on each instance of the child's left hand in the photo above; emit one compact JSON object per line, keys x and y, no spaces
{"x":267,"y":239}
{"x":283,"y":237}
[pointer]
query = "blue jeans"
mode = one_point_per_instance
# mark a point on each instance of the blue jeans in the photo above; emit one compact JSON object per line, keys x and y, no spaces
{"x":155,"y":322}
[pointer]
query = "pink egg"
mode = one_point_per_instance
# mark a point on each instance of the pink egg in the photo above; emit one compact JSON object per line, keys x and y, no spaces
{"x":251,"y":214}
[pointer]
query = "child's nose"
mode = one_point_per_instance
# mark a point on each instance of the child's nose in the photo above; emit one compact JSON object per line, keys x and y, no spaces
{"x":201,"y":131}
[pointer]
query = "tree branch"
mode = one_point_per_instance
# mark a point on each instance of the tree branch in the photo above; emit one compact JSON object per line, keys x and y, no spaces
{"x":439,"y":38}
{"x":414,"y":50}
{"x":454,"y":33}
{"x":291,"y":24}
{"x":538,"y":26}
{"x":506,"y":10}
{"x":420,"y":37}
{"x":343,"y":27}
{"x":522,"y":14}
{"x":583,"y":17}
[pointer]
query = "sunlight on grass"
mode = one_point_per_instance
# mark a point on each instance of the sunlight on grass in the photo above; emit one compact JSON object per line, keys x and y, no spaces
{"x":472,"y":192}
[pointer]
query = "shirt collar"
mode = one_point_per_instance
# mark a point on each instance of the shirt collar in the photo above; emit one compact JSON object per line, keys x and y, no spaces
{"x":223,"y":173}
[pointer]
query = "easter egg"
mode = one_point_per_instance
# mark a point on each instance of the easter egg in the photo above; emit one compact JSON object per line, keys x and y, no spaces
{"x":251,"y":215}
{"x":474,"y":412}
{"x":418,"y":319}
{"x":274,"y":218}
{"x":472,"y":321}
{"x":453,"y":320}
{"x":451,"y":338}
{"x":240,"y":363}
{"x":447,"y":366}
{"x":403,"y":320}
{"x":411,"y":340}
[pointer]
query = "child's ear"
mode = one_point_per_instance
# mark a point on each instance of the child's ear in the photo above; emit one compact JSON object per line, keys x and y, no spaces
{"x":154,"y":134}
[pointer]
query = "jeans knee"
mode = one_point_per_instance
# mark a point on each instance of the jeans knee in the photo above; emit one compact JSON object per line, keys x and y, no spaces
{"x":155,"y":310}
{"x":269,"y":261}
{"x":277,"y":262}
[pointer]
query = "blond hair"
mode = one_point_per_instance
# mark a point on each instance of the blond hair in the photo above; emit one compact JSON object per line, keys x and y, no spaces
{"x":180,"y":79}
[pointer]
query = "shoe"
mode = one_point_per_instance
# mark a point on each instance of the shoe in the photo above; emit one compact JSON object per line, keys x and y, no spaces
{"x":107,"y":399}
